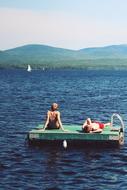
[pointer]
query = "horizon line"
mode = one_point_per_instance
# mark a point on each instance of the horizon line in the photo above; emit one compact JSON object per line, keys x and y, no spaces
{"x":33,"y":44}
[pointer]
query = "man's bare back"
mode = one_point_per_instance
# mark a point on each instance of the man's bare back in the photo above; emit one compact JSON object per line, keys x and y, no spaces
{"x":53,"y":120}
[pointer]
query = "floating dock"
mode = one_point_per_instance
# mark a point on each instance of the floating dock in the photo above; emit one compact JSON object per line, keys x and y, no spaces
{"x":75,"y":136}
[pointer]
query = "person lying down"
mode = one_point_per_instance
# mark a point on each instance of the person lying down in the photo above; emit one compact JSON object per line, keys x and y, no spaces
{"x":94,"y":127}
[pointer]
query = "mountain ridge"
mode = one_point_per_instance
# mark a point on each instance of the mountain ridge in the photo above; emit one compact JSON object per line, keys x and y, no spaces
{"x":48,"y":56}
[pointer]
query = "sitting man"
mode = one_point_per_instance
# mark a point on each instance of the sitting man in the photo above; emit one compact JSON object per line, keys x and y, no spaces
{"x":93,"y":127}
{"x":53,"y":120}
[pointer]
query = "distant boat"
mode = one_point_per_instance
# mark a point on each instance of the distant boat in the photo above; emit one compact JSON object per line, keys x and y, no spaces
{"x":29,"y":68}
{"x":43,"y":69}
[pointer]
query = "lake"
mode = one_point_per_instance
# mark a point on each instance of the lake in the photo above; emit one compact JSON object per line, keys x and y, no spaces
{"x":24,"y":100}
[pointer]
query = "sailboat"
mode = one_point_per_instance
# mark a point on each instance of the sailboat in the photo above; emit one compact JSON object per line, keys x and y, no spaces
{"x":29,"y":68}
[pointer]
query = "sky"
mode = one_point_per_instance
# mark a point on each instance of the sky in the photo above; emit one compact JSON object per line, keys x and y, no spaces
{"x":71,"y":24}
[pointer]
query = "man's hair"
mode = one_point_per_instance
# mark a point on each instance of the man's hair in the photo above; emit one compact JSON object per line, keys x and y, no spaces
{"x":52,"y":106}
{"x":87,"y":129}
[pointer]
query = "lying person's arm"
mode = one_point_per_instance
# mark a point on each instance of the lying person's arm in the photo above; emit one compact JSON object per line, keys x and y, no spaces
{"x":96,"y":131}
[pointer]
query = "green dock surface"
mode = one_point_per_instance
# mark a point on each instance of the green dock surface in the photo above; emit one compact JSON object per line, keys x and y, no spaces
{"x":75,"y":133}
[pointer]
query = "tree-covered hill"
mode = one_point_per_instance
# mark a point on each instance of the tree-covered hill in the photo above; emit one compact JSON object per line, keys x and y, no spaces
{"x":40,"y":56}
{"x":109,"y":52}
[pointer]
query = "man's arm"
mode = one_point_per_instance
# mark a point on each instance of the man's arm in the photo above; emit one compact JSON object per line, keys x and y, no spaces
{"x":96,"y":131}
{"x":47,"y":121}
{"x":87,"y":122}
{"x":59,"y":121}
{"x":84,"y":124}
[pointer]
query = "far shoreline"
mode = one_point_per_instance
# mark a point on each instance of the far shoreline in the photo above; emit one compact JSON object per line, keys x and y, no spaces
{"x":67,"y":68}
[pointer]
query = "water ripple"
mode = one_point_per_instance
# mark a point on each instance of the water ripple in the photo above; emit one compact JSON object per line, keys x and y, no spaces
{"x":24,"y":101}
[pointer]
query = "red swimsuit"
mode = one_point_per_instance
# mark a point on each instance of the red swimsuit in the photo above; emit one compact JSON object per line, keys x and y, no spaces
{"x":101,"y":125}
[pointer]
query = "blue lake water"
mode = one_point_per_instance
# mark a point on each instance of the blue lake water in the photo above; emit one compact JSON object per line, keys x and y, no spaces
{"x":24,"y":100}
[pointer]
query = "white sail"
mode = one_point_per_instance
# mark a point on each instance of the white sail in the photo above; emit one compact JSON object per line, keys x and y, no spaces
{"x":29,"y":68}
